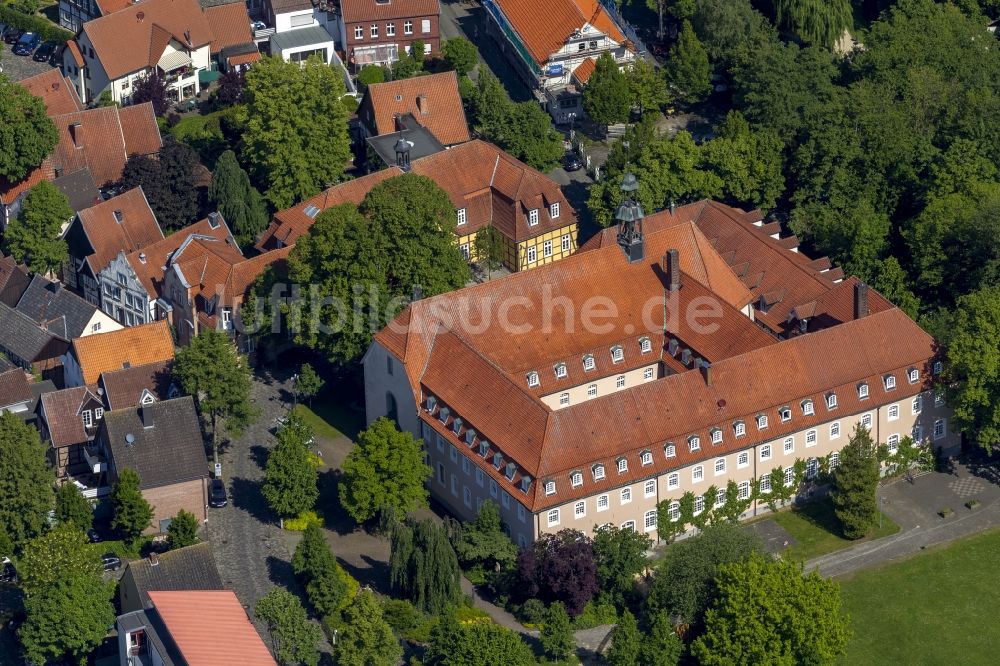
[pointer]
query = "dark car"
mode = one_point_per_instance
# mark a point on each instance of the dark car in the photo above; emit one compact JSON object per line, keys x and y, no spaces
{"x":12,"y":34}
{"x":111,"y":562}
{"x":28,"y":43}
{"x":8,"y":574}
{"x":45,"y":51}
{"x":217,"y":494}
{"x":572,"y":163}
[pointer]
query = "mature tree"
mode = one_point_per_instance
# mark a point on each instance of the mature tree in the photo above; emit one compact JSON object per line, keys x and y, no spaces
{"x":483,"y":541}
{"x":688,"y":71}
{"x":290,"y":476}
{"x":183,"y":530}
{"x":295,"y":138}
{"x":460,"y":54}
{"x":767,"y":611}
{"x":385,"y":469}
{"x":892,"y":282}
{"x":370,"y":74}
{"x":490,"y":248}
{"x":557,"y":633}
{"x":152,"y":88}
{"x":661,"y":646}
{"x":168,"y":182}
{"x":132,"y":513}
{"x":820,"y":22}
{"x":855,"y":481}
{"x":330,"y":589}
{"x":423,"y":566}
{"x":210,"y":369}
{"x":35,"y":236}
{"x":308,"y":383}
{"x":646,"y":86}
{"x":559,"y":567}
{"x":231,"y":85}
{"x":67,"y":601}
{"x":296,"y":639}
{"x":606,"y":95}
{"x":27,"y":135}
{"x":854,"y":236}
{"x":73,"y":507}
{"x":620,"y":554}
{"x":534,"y":141}
{"x":727,"y":26}
{"x":749,"y":163}
{"x":683,"y":585}
{"x":367,"y":639}
{"x":626,"y":642}
{"x":26,"y":480}
{"x":492,"y":109}
{"x":971,"y":376}
{"x":454,"y":644}
{"x":238,"y":201}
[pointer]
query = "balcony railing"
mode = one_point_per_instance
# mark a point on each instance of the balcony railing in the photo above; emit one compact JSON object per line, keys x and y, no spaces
{"x":95,"y":461}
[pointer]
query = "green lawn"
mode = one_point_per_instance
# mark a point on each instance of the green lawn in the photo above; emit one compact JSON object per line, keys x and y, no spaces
{"x":817,"y":530}
{"x":204,"y":134}
{"x":938,"y":607}
{"x":330,"y":419}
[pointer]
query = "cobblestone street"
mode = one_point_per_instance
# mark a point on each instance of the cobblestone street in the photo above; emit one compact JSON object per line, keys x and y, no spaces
{"x":18,"y":68}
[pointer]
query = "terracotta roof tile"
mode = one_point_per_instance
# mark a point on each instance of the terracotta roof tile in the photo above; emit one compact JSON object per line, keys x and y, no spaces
{"x":149,"y":267}
{"x":14,"y":387}
{"x":99,"y":144}
{"x":562,"y":17}
{"x":137,"y":228}
{"x":135,"y":345}
{"x":124,"y":388}
{"x":9,"y":192}
{"x":433,"y":100}
{"x":61,"y":410}
{"x":372,"y":10}
{"x":584,"y":70}
{"x":111,"y":6}
{"x":230,"y":25}
{"x":197,"y":620}
{"x":142,"y":134}
{"x":74,"y":50}
{"x":244,"y":58}
{"x":57,"y":92}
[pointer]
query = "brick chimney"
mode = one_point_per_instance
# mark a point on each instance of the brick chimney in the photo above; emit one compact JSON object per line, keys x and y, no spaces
{"x":423,"y":105}
{"x":76,"y":133}
{"x":860,"y":300}
{"x":672,"y":269}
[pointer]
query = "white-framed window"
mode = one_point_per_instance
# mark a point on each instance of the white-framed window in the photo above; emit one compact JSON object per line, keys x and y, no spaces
{"x":835,"y":430}
{"x":720,"y":497}
{"x":592,"y":391}
{"x":407,"y":27}
{"x":740,"y":428}
{"x":602,"y":503}
{"x":560,"y":371}
{"x":563,"y":399}
{"x":789,"y":476}
{"x":913,"y":375}
{"x":720,"y":466}
{"x":553,"y":517}
{"x":467,"y":496}
{"x":425,"y":26}
{"x":532,"y":254}
{"x":940,"y":428}
{"x":626,"y":495}
{"x":765,"y":452}
{"x":589,"y":363}
{"x":647,"y":374}
{"x":617,"y":354}
{"x":453,"y":454}
{"x":831,"y":401}
{"x":670,"y":450}
{"x":628,"y":525}
{"x":917,"y":405}
{"x":694,"y":443}
{"x":761,"y":421}
{"x":698,"y":473}
{"x":743,"y":459}
{"x":649,"y":488}
{"x":917,"y":433}
{"x":88,"y":418}
{"x":532,"y":217}
{"x":673,"y":481}
{"x":645,"y":345}
{"x":566,"y":242}
{"x":893,"y":442}
{"x":461,"y":216}
{"x":96,"y":327}
{"x":554,"y":210}
{"x":785,"y":414}
{"x":890,"y":382}
{"x":789,"y":444}
{"x":550,"y":487}
{"x":598,"y":472}
{"x":493,"y":488}
{"x":765,"y":483}
{"x":479,"y":477}
{"x":532,"y":379}
{"x":98,"y":413}
{"x":646,"y":458}
{"x":811,"y":437}
{"x":547,"y":248}
{"x":744,"y":490}
{"x":812,"y":468}
{"x":674,"y":511}
{"x":579,"y":509}
{"x":807,"y":408}
{"x":390,"y":29}
{"x":649,"y":520}
{"x":622,"y":465}
{"x":373,"y":30}
{"x":699,"y":504}
{"x":576,"y":479}
{"x":862,"y":390}
{"x":620,"y":382}
{"x":866,"y":420}
{"x":466,"y":465}
{"x":717,"y":436}
{"x":892,"y":413}
{"x":359,"y":32}
{"x":938,"y":398}
{"x":834,"y":460}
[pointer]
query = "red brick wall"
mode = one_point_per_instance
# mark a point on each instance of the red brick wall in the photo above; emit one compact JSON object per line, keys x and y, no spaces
{"x":432,"y":37}
{"x":168,"y":500}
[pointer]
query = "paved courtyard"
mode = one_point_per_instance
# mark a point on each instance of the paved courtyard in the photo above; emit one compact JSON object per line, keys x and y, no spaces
{"x":18,"y":68}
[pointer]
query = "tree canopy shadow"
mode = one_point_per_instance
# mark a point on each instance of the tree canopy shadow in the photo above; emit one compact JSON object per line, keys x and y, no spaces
{"x":245,"y":494}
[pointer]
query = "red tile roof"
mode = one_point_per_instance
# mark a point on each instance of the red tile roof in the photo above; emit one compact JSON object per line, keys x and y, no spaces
{"x":433,"y":100}
{"x":135,"y":345}
{"x":74,"y":50}
{"x":14,"y":388}
{"x":244,"y":58}
{"x":374,"y":10}
{"x":57,"y":92}
{"x":137,"y":228}
{"x":210,"y":627}
{"x":62,"y":409}
{"x":139,"y":129}
{"x":584,"y":70}
{"x":124,"y":388}
{"x":111,"y":6}
{"x":230,"y":25}
{"x":562,"y":18}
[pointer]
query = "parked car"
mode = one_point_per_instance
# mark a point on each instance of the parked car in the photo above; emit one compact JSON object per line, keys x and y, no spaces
{"x":12,"y":34}
{"x":8,"y":574}
{"x":258,"y":25}
{"x":111,"y":562}
{"x":27,"y":44}
{"x":571,"y":162}
{"x":217,"y":494}
{"x":45,"y":51}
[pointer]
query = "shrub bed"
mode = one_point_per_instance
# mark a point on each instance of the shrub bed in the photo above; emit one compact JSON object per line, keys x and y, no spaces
{"x":45,"y":28}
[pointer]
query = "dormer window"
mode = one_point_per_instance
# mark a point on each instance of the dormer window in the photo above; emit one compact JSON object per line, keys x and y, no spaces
{"x":890,"y":382}
{"x":716,"y":435}
{"x":807,"y":407}
{"x":431,"y":403}
{"x":484,"y":448}
{"x":497,"y":460}
{"x":831,"y":401}
{"x":739,"y":428}
{"x":694,"y":443}
{"x":785,"y":414}
{"x":686,"y":357}
{"x":670,"y":451}
{"x":588,"y":362}
{"x":554,"y":210}
{"x":622,"y":465}
{"x":526,"y":484}
{"x":645,"y":345}
{"x":617,"y":354}
{"x":443,"y":414}
{"x":87,"y":418}
{"x":461,"y":216}
{"x":862,"y":391}
{"x":761,"y":421}
{"x":470,"y":436}
{"x":576,"y":479}
{"x":509,"y":472}
{"x":533,"y":217}
{"x":550,"y":487}
{"x":598,"y":471}
{"x":913,"y":375}
{"x":456,"y":425}
{"x":646,"y":458}
{"x":532,"y":379}
{"x":560,"y":370}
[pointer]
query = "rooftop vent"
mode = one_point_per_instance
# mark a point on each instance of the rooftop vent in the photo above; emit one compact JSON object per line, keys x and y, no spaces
{"x":119,"y":216}
{"x":154,"y":559}
{"x":76,"y":133}
{"x":142,"y":257}
{"x":214,"y":219}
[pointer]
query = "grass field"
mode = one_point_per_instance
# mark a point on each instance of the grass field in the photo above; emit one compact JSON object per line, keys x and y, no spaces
{"x":817,"y":530}
{"x":938,"y":607}
{"x":329,"y":419}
